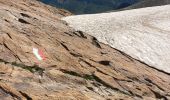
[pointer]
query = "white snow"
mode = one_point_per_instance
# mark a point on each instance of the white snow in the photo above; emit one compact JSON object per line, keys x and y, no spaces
{"x":143,"y":33}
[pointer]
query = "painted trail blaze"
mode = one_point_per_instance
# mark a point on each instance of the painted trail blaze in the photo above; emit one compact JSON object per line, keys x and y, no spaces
{"x":39,"y":54}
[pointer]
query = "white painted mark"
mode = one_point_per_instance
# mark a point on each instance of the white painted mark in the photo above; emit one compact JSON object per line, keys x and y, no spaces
{"x":39,"y":54}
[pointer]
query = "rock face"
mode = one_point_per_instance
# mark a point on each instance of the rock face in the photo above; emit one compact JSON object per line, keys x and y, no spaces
{"x":90,"y":6}
{"x":76,"y":66}
{"x":149,"y":3}
{"x":142,"y":33}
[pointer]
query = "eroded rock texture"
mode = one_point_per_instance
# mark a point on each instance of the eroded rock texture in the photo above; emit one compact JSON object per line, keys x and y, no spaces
{"x":77,"y":66}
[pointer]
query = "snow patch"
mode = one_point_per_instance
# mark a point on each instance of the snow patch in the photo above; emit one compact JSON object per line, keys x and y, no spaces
{"x":141,"y":33}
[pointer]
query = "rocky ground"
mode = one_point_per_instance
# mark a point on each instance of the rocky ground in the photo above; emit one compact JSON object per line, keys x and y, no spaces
{"x":76,"y":65}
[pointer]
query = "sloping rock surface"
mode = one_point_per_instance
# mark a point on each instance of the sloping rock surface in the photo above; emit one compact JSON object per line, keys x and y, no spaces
{"x":76,"y":66}
{"x":141,"y":33}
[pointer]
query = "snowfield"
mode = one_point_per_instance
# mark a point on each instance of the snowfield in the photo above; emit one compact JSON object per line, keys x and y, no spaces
{"x":142,"y":33}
